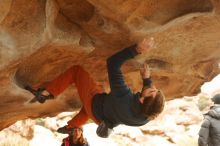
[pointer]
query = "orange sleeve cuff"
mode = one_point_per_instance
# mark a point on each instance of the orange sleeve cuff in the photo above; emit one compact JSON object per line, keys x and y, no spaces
{"x":79,"y":120}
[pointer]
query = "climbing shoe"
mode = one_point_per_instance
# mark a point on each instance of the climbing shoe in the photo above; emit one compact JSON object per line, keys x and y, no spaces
{"x":39,"y":94}
{"x":65,"y":130}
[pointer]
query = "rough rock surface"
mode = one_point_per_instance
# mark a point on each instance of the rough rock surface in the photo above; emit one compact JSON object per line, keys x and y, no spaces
{"x":39,"y":39}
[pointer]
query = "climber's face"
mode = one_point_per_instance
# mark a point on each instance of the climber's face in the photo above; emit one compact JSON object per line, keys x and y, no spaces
{"x":149,"y":92}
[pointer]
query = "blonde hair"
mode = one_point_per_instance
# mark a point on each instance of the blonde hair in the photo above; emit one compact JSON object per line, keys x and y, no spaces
{"x":81,"y":140}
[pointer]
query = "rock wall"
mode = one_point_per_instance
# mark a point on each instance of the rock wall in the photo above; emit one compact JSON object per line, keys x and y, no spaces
{"x":39,"y":39}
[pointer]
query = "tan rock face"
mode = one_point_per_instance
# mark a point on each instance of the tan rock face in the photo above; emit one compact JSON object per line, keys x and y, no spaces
{"x":40,"y":39}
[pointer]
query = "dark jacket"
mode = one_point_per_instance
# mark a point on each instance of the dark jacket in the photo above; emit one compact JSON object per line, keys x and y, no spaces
{"x":121,"y":105}
{"x":209,"y":134}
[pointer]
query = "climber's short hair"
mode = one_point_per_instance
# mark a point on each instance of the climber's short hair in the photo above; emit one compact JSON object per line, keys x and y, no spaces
{"x":153,"y":106}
